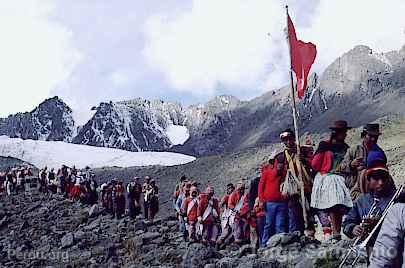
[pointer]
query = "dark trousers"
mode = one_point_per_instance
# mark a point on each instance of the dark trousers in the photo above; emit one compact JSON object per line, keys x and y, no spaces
{"x":146,"y":206}
{"x":295,"y":215}
{"x":260,"y":222}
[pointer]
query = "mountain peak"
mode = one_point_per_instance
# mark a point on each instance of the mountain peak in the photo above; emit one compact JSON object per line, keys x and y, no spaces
{"x":361,"y":49}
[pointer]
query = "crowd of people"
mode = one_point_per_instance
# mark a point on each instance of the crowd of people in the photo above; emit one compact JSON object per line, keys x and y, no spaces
{"x":335,"y":183}
{"x":82,"y":186}
{"x":70,"y":182}
{"x":115,"y":197}
{"x":13,"y":180}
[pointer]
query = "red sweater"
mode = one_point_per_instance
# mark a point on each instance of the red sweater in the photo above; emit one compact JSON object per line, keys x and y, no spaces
{"x":269,"y":185}
{"x":203,"y":206}
{"x":192,"y":214}
{"x":234,"y":200}
{"x":322,"y":162}
{"x":224,"y":201}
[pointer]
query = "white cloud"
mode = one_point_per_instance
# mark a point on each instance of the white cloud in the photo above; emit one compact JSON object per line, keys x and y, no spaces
{"x":226,"y":42}
{"x":338,"y":26}
{"x":119,"y":78}
{"x":35,"y":54}
{"x":215,"y":42}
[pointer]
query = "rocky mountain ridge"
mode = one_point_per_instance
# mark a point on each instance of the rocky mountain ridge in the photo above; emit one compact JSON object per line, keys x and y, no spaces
{"x":51,"y":120}
{"x":360,"y":86}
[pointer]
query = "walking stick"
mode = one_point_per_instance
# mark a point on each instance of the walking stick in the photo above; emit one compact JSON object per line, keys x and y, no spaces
{"x":297,"y":140}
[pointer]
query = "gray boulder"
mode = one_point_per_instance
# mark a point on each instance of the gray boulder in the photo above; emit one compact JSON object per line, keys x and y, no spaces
{"x":67,"y":240}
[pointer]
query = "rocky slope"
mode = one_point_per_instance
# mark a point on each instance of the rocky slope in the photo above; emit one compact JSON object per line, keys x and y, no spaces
{"x":50,"y":231}
{"x":52,"y":120}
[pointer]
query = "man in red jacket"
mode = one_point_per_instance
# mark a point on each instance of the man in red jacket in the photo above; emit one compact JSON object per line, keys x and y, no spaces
{"x":238,"y":203}
{"x":275,"y":204}
{"x":225,"y":215}
{"x":208,"y":215}
{"x":190,"y":211}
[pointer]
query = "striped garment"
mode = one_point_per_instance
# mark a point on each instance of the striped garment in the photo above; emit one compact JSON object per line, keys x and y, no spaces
{"x":330,"y":190}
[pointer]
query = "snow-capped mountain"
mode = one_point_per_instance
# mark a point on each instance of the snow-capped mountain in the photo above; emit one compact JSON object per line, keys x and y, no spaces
{"x":55,"y":153}
{"x":136,"y":125}
{"x":51,"y":120}
{"x":360,"y":86}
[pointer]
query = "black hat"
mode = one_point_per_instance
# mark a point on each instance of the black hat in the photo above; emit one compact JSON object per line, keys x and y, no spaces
{"x":372,"y":129}
{"x":340,"y":125}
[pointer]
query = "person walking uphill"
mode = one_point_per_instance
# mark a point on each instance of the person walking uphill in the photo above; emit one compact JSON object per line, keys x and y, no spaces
{"x":329,"y":192}
{"x":154,"y":200}
{"x":225,"y":215}
{"x":190,"y":212}
{"x":208,"y":215}
{"x":238,"y":203}
{"x":146,"y":190}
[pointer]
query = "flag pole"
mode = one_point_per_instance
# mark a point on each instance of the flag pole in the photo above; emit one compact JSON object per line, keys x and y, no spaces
{"x":297,"y":139}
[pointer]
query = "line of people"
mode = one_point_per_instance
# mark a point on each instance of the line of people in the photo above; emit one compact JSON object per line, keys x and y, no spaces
{"x":115,"y":198}
{"x":13,"y":180}
{"x":70,"y":182}
{"x":338,"y":182}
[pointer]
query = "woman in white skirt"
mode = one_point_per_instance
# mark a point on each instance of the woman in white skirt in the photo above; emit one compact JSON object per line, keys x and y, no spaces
{"x":329,"y":192}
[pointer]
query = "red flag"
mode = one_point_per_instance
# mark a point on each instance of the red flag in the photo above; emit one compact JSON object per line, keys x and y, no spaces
{"x":302,"y":57}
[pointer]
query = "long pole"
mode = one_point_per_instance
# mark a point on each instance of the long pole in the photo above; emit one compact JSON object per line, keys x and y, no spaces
{"x":297,"y":139}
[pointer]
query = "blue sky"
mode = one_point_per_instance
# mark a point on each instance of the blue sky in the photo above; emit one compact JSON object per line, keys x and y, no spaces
{"x":88,"y":51}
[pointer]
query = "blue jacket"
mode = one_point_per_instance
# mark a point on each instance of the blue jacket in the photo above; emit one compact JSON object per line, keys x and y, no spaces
{"x":361,"y":207}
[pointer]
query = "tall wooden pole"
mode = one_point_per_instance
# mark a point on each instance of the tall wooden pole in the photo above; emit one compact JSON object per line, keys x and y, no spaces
{"x":297,"y":137}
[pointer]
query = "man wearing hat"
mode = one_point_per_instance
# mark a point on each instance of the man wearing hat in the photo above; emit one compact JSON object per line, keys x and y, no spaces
{"x":288,"y":165}
{"x":380,"y":192}
{"x":354,"y":166}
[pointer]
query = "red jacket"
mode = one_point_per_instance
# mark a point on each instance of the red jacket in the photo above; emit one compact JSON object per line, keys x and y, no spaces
{"x":234,"y":200}
{"x":192,"y":213}
{"x":269,"y":185}
{"x":203,"y":206}
{"x":224,"y":201}
{"x":322,"y":162}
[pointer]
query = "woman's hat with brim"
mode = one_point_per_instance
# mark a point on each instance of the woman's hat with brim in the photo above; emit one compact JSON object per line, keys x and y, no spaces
{"x":372,"y":129}
{"x":340,"y":125}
